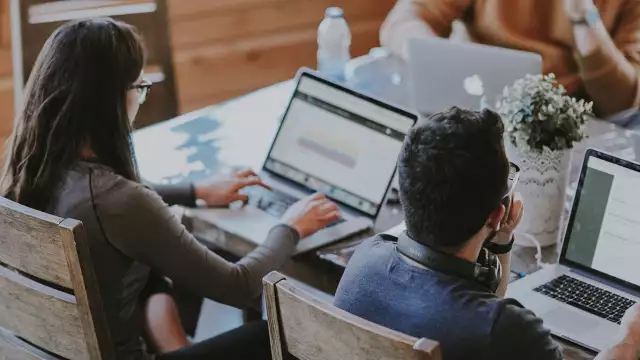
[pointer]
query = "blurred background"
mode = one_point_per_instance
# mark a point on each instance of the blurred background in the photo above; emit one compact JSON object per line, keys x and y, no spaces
{"x":220,"y":49}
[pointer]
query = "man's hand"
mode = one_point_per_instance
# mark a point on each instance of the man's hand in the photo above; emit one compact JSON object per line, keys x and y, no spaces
{"x":222,"y":191}
{"x":630,"y":326}
{"x":628,"y":344}
{"x":577,"y":9}
{"x":513,"y":220}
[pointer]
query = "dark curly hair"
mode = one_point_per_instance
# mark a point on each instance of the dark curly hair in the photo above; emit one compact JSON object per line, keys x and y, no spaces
{"x":453,"y":173}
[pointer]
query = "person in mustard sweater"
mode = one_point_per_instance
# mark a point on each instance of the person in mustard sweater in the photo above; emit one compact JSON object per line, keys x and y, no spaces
{"x":593,"y":46}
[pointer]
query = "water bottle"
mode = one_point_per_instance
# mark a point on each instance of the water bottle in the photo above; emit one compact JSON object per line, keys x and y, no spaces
{"x":334,"y":41}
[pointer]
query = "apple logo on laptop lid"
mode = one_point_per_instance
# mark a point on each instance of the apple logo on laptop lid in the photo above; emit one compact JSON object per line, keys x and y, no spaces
{"x":473,"y":85}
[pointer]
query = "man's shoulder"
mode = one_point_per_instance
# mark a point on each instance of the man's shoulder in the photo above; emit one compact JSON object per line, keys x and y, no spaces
{"x":378,"y":242}
{"x":510,"y":313}
{"x":366,"y":282}
{"x":372,"y":249}
{"x":517,"y":331}
{"x":370,"y":259}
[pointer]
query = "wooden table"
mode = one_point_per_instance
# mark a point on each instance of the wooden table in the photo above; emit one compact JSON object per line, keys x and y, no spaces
{"x":239,"y":133}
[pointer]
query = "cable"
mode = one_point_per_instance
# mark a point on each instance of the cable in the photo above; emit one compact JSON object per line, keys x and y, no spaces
{"x":538,"y":255}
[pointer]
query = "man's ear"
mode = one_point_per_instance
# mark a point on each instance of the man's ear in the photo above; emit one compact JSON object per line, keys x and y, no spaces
{"x":496,"y":217}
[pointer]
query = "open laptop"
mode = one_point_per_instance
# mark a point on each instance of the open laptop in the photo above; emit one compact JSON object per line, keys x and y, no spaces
{"x":332,"y":140}
{"x":444,"y":73}
{"x":583,"y":298}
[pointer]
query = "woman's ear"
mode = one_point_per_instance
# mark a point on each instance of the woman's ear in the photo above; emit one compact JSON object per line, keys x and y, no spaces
{"x":496,"y":217}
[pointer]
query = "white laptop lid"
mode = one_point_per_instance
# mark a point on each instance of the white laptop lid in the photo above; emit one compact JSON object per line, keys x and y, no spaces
{"x":444,"y":73}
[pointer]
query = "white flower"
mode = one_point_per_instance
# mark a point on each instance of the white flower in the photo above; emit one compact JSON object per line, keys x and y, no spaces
{"x":537,"y":104}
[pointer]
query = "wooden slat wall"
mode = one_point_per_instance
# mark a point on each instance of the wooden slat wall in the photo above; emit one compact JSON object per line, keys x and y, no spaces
{"x":225,"y":48}
{"x":6,"y":82}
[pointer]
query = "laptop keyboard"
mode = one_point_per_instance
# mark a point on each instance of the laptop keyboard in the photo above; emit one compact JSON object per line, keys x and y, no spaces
{"x":587,"y":297}
{"x":275,"y":202}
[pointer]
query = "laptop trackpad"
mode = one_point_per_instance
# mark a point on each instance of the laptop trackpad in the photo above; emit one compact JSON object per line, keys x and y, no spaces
{"x":569,"y":321}
{"x":247,"y":223}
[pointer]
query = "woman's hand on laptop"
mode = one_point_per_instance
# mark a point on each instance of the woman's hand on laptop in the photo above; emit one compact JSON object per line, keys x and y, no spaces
{"x":224,"y":190}
{"x":311,"y":214}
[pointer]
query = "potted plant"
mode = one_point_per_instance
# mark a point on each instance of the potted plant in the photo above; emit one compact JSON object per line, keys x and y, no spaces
{"x":542,"y":124}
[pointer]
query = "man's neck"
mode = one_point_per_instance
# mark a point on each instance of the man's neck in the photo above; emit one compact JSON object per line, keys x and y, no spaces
{"x":470,"y":251}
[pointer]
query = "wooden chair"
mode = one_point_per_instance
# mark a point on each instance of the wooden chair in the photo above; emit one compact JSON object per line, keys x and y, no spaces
{"x":33,"y":21}
{"x":306,"y":328}
{"x":50,"y":305}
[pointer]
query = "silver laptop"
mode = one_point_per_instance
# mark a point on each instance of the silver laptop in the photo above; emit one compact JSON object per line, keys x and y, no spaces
{"x":583,"y":298}
{"x":444,"y":73}
{"x":332,"y":140}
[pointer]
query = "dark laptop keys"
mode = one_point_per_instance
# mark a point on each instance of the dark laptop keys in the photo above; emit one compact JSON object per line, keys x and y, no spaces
{"x":587,"y":297}
{"x":337,"y":222}
{"x":275,"y":202}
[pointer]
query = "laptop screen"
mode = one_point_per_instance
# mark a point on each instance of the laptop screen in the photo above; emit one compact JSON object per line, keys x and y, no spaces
{"x":340,"y":143}
{"x":605,"y":231}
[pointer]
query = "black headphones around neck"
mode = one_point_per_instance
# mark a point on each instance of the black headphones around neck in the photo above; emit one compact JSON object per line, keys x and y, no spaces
{"x":487,"y":270}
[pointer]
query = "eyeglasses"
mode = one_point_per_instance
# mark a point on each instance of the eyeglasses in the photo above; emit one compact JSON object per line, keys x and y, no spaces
{"x":143,"y":88}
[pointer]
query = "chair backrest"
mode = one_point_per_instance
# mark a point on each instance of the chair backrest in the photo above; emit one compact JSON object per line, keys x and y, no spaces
{"x":33,"y":21}
{"x":306,"y":328}
{"x":50,"y":304}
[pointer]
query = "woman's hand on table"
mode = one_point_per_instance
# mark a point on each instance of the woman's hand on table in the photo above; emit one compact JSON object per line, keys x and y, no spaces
{"x":311,"y":214}
{"x":224,"y":190}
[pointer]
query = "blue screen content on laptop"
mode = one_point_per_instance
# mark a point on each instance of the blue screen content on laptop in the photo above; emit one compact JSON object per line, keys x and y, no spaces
{"x":605,"y":235}
{"x":338,"y":143}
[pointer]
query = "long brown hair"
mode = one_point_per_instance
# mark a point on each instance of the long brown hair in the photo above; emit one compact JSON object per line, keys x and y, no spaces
{"x":75,"y":98}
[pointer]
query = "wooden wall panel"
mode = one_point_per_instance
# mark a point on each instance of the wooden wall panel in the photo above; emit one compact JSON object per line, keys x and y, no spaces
{"x":221,"y":71}
{"x":182,"y":9}
{"x":6,"y":106}
{"x":225,"y":48}
{"x":265,"y":21}
{"x":6,"y":76}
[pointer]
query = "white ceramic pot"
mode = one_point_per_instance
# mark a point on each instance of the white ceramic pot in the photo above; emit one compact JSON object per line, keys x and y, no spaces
{"x":542,"y":184}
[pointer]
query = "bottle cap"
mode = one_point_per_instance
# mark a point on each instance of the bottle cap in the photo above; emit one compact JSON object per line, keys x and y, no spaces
{"x":334,"y":12}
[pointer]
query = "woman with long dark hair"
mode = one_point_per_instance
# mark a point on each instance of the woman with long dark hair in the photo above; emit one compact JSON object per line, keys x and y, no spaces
{"x":70,"y":155}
